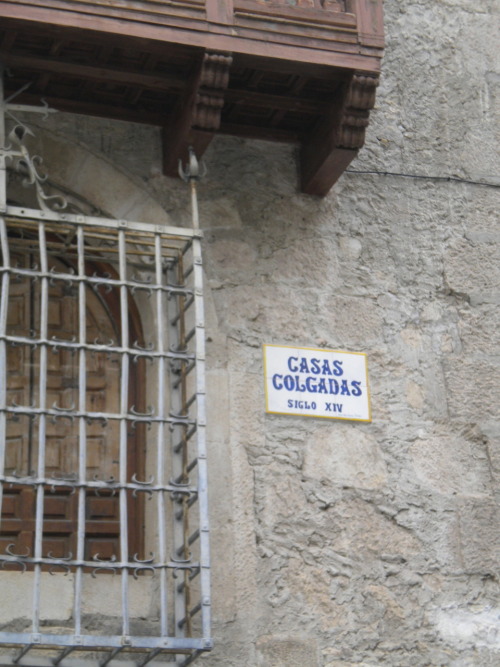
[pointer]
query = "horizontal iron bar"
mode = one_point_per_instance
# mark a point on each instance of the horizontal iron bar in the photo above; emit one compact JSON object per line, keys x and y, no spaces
{"x":99,"y":565}
{"x":177,"y":290}
{"x":95,"y":347}
{"x":179,"y":233}
{"x":96,"y":642}
{"x":97,"y":485}
{"x":176,"y":420}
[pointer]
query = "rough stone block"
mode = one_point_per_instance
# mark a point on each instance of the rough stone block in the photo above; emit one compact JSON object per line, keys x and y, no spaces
{"x":286,"y":652}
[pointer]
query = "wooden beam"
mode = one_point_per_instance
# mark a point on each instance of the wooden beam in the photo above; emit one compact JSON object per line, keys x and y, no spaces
{"x":314,"y":105}
{"x":197,"y":116}
{"x":151,"y":81}
{"x":256,"y":132}
{"x":93,"y":72}
{"x":336,"y":139}
{"x":92,"y":107}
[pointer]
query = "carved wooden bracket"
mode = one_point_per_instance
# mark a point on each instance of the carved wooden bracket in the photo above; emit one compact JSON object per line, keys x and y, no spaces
{"x":360,"y":98}
{"x":197,"y":116}
{"x":336,"y":140}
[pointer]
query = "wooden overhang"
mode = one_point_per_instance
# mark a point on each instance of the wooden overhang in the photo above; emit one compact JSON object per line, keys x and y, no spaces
{"x":298,"y":71}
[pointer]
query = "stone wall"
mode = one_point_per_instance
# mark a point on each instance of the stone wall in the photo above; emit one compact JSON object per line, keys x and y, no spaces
{"x":340,"y":544}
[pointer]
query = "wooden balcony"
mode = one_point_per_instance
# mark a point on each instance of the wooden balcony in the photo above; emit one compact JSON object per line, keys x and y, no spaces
{"x":302,"y":71}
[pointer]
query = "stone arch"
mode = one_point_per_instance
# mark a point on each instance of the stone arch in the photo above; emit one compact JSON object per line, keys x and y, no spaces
{"x":75,"y":168}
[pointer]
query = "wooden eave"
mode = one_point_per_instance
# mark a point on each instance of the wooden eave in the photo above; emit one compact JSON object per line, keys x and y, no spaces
{"x":305,"y":74}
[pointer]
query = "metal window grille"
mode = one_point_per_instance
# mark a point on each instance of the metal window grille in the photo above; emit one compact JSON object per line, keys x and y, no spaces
{"x":161,"y":267}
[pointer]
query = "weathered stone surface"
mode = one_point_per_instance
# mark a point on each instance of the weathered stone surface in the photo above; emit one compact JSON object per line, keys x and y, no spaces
{"x":286,"y":652}
{"x":342,"y":544}
{"x":350,"y":458}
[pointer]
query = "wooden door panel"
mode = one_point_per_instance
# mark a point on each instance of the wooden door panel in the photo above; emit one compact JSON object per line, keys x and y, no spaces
{"x":103,"y":370}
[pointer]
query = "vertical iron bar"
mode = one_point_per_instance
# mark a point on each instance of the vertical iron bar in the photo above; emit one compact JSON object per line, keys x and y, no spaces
{"x":3,"y":165}
{"x":4,"y":295}
{"x":124,"y":391}
{"x":201,"y":420}
{"x":4,"y":301}
{"x":162,"y":542}
{"x":184,"y":410}
{"x":82,"y":431}
{"x":178,"y":433}
{"x":42,"y":404}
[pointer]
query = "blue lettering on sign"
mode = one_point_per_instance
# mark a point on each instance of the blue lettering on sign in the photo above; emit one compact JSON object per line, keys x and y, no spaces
{"x":302,"y":405}
{"x":314,"y":385}
{"x":315,"y":366}
{"x":333,"y":407}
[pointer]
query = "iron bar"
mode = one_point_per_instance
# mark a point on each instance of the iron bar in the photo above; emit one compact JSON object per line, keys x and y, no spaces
{"x":22,"y":653}
{"x":63,"y":655}
{"x":131,"y":566}
{"x":3,"y":148}
{"x":189,"y":502}
{"x":149,"y":657}
{"x":160,"y":444}
{"x":42,"y":423}
{"x":172,"y":233}
{"x":75,"y":346}
{"x":201,"y":431}
{"x":184,"y":373}
{"x":99,"y":485}
{"x":188,"y":304}
{"x":98,"y":280}
{"x":188,"y":436}
{"x":97,"y":416}
{"x":189,"y":541}
{"x":4,"y":300}
{"x":174,"y":319}
{"x":82,"y":433}
{"x":189,"y":659}
{"x":5,"y":282}
{"x":193,"y":574}
{"x":110,"y":656}
{"x":104,"y":642}
{"x":124,"y":393}
{"x":192,"y":612}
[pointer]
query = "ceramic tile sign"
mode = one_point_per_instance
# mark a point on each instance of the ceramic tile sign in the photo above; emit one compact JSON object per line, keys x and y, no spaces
{"x":316,"y":383}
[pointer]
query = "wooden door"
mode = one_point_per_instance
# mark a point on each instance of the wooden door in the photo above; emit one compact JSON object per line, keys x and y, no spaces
{"x":102,"y":527}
